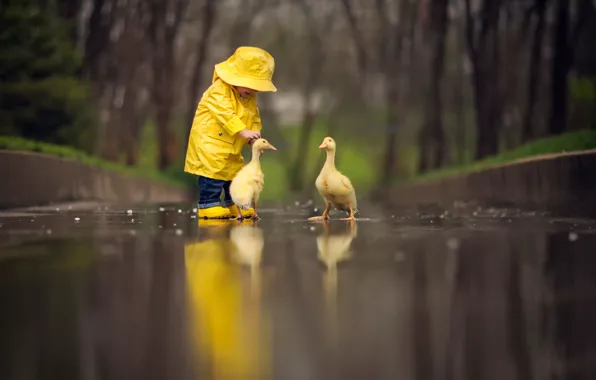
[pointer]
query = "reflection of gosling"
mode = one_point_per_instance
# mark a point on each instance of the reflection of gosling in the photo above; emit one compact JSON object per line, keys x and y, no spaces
{"x":248,"y":242}
{"x":335,"y":248}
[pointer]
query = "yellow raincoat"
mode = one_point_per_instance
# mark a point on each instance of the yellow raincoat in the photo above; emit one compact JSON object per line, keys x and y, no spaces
{"x":214,"y":148}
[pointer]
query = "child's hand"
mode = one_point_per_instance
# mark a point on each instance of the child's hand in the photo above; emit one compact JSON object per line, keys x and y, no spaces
{"x":250,"y":135}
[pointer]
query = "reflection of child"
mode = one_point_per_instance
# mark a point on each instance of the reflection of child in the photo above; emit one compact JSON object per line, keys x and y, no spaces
{"x":226,"y":119}
{"x":216,"y":309}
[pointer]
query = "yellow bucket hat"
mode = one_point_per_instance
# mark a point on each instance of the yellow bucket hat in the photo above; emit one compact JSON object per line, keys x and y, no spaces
{"x":249,"y":67}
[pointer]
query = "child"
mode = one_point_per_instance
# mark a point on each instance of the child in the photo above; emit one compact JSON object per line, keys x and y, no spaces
{"x":226,"y":119}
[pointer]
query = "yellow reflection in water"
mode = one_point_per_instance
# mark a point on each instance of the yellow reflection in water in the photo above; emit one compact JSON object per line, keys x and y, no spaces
{"x":226,"y":326}
{"x":333,"y":248}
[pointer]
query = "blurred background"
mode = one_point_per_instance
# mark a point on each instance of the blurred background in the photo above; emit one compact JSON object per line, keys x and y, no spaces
{"x":408,"y":88}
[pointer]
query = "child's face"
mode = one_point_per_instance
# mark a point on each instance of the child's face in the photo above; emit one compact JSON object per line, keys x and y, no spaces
{"x":244,"y":92}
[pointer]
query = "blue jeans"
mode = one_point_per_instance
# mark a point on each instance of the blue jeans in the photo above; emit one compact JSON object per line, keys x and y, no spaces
{"x":210,"y":192}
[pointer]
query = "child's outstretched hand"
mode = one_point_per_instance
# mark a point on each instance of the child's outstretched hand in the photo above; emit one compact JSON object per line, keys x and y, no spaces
{"x":250,"y":135}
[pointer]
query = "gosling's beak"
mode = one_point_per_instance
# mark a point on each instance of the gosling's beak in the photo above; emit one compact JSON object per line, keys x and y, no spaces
{"x":272,"y":147}
{"x":323,"y":145}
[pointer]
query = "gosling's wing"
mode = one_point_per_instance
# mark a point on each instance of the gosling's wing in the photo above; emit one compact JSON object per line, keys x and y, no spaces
{"x":341,"y":185}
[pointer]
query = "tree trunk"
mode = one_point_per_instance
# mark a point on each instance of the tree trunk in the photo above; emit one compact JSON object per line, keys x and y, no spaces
{"x":560,"y":69}
{"x":390,"y":151}
{"x":529,"y":130}
{"x":357,"y":39}
{"x":394,"y":63}
{"x":166,"y":140}
{"x":459,"y":104}
{"x":308,"y":118}
{"x":433,"y":144}
{"x":163,"y":27}
{"x":483,"y":50}
{"x":299,"y":165}
{"x":242,"y":26}
{"x":208,"y":20}
{"x":97,"y":40}
{"x":162,"y":93}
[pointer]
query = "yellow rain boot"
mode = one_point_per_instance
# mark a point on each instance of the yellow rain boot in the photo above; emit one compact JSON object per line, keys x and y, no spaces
{"x":245,"y":214}
{"x":216,"y":212}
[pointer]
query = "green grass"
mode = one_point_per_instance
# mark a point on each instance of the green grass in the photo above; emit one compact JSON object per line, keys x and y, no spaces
{"x":20,"y":144}
{"x":569,"y":142}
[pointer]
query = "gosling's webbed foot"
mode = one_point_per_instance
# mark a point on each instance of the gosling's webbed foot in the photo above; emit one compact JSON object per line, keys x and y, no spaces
{"x":256,"y":217}
{"x":317,"y":218}
{"x":351,"y":218}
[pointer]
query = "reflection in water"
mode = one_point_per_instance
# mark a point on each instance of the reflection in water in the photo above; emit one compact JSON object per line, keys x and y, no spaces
{"x":333,"y":248}
{"x":248,"y":243}
{"x":469,"y":299}
{"x":225,"y":325}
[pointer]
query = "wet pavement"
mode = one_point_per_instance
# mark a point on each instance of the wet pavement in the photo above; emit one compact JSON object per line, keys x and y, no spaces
{"x":152,"y":293}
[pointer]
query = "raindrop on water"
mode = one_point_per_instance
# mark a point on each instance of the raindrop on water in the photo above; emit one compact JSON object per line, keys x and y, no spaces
{"x":573,"y":236}
{"x":132,"y":220}
{"x":178,"y":232}
{"x":296,"y":203}
{"x":49,"y":232}
{"x":316,"y":209}
{"x":312,"y":228}
{"x":77,"y":218}
{"x":179,"y":211}
{"x":129,"y":212}
{"x":194,"y":210}
{"x":162,"y":209}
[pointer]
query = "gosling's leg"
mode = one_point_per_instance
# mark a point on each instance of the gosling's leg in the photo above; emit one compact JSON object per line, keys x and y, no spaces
{"x":351,"y":217}
{"x":325,"y":215}
{"x":352,"y":227}
{"x":239,"y":217}
{"x":256,"y":216}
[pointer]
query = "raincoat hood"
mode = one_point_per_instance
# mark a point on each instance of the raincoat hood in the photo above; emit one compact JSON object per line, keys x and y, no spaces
{"x":249,"y":67}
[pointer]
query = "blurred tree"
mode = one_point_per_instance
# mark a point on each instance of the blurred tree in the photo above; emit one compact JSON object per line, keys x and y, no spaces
{"x":565,"y":40}
{"x":538,"y":10}
{"x":165,"y":19}
{"x":433,"y":144}
{"x":483,"y":49}
{"x":207,"y":20}
{"x":315,"y":54}
{"x":41,"y":98}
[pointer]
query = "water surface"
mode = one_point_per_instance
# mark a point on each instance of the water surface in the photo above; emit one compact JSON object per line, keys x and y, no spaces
{"x":152,"y":293}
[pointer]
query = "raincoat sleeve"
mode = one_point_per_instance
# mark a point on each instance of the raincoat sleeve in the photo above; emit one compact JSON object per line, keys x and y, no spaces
{"x":256,"y":124}
{"x":220,"y":105}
